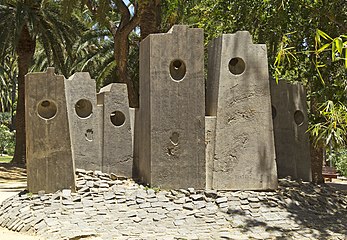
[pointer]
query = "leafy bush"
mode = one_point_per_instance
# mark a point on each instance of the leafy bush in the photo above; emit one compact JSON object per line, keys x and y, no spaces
{"x":7,"y":141}
{"x":5,"y":118}
{"x":339,"y":160}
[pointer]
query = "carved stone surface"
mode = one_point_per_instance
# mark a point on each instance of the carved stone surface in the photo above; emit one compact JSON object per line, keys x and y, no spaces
{"x":49,"y":159}
{"x":83,"y":120}
{"x":289,"y":113}
{"x":210,"y":137}
{"x":172,"y":132}
{"x":117,"y":150}
{"x":238,"y":94}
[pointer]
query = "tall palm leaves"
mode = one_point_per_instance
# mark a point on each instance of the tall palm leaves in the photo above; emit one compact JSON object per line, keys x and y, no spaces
{"x":23,"y":22}
{"x":92,"y":52}
{"x":8,"y":79}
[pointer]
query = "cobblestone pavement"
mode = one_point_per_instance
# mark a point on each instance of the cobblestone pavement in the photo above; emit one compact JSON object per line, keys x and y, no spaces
{"x":105,"y":207}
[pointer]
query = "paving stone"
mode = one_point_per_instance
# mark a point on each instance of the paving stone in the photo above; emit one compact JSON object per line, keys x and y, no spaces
{"x":179,"y":222}
{"x":224,"y":205}
{"x":189,"y":206}
{"x":197,"y":197}
{"x":155,"y":217}
{"x":191,"y":190}
{"x":220,"y":200}
{"x":200,"y":204}
{"x":253,"y":199}
{"x":254,"y":205}
{"x":180,"y":201}
{"x":145,"y":205}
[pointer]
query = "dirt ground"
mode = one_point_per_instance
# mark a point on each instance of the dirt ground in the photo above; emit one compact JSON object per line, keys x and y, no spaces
{"x":12,"y":180}
{"x":10,"y":172}
{"x":10,"y":235}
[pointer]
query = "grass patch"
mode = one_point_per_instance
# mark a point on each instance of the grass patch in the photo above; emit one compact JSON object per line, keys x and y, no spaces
{"x":5,"y":159}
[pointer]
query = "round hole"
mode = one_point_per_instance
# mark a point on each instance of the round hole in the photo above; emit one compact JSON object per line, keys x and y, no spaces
{"x":83,"y":108}
{"x":177,"y":69}
{"x":274,"y":112}
{"x":237,"y":66}
{"x":174,"y":138}
{"x":47,"y":109}
{"x":117,"y":118}
{"x":299,"y":117}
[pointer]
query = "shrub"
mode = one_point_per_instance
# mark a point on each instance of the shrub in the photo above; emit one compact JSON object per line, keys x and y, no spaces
{"x":339,"y":160}
{"x":7,"y":141}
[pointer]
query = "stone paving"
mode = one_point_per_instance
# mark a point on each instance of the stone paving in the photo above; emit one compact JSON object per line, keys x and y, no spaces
{"x":106,"y":207}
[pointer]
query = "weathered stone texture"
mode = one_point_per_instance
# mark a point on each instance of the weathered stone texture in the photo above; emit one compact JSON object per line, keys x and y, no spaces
{"x":171,"y":136}
{"x":83,"y":120}
{"x":49,"y":159}
{"x":116,"y":130}
{"x":210,"y":136}
{"x":238,"y":94}
{"x":290,"y":121}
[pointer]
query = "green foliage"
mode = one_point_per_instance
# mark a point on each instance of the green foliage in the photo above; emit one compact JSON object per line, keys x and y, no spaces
{"x":7,"y":142}
{"x":5,"y":118}
{"x":8,"y":80}
{"x":341,"y":164}
{"x":5,"y":159}
{"x":331,"y":124}
{"x":46,"y":25}
{"x":339,"y":160}
{"x":305,"y":42}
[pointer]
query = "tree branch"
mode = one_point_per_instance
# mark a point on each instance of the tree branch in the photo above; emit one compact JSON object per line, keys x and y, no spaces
{"x":126,"y":24}
{"x":124,"y":12}
{"x":332,"y":18}
{"x":93,"y":9}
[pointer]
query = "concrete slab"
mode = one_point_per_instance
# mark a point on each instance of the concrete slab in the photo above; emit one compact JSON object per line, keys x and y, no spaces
{"x":238,"y":94}
{"x":289,"y":113}
{"x":117,"y":150}
{"x":83,"y":121}
{"x":50,"y":165}
{"x":210,"y":137}
{"x":172,"y":133}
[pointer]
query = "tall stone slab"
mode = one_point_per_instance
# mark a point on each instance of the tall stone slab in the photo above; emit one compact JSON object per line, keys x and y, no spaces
{"x":171,"y":145}
{"x":210,"y":137}
{"x":238,"y":94}
{"x":50,"y":165}
{"x":117,"y":150}
{"x":83,"y":120}
{"x":289,"y":113}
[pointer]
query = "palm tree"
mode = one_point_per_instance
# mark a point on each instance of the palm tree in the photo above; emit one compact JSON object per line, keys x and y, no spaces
{"x":8,"y":85}
{"x":23,"y":23}
{"x":92,"y":52}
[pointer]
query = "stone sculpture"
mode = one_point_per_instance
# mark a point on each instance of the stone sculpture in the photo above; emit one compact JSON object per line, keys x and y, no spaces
{"x":172,"y":141}
{"x":50,"y":165}
{"x":238,"y":94}
{"x":116,"y":130}
{"x":289,"y":113}
{"x":83,"y":121}
{"x":169,"y":142}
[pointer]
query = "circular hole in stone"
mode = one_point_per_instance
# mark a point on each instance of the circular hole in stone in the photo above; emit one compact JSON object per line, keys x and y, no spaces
{"x":237,"y":66}
{"x":117,"y":118}
{"x":274,"y":112}
{"x":177,"y":69}
{"x":47,"y":109}
{"x":174,"y":138}
{"x":299,"y":117}
{"x":83,"y":108}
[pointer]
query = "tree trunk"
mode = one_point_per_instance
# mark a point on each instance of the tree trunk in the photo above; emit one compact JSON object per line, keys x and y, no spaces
{"x":317,"y":163}
{"x":149,"y":19}
{"x":121,"y":52}
{"x":121,"y":48}
{"x":25,"y":52}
